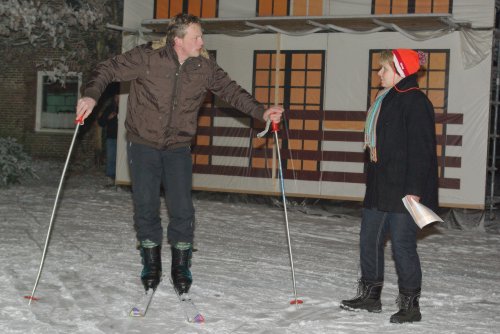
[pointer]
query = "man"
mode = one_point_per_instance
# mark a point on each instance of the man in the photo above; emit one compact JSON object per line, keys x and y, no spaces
{"x":109,"y":121}
{"x":168,"y":86}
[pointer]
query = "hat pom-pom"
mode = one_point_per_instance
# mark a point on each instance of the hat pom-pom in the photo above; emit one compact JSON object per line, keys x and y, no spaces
{"x":422,"y":58}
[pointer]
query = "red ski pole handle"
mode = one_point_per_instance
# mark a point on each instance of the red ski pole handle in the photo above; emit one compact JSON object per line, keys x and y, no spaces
{"x":275,"y":127}
{"x":79,"y":120}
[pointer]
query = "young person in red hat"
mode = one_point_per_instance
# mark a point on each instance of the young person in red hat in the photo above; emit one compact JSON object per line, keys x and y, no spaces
{"x":401,"y":142}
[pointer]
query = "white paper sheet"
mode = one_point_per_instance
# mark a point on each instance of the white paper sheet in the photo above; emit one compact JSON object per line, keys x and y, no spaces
{"x":421,"y":214}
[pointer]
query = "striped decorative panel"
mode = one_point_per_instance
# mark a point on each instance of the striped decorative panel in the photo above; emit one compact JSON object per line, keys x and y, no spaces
{"x":338,"y":158}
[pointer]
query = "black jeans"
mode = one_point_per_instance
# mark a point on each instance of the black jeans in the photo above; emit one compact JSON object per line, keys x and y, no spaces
{"x":150,"y":168}
{"x":375,"y":225}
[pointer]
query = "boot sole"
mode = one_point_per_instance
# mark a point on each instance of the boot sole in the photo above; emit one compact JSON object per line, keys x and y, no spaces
{"x":352,"y":309}
{"x":398,"y":321}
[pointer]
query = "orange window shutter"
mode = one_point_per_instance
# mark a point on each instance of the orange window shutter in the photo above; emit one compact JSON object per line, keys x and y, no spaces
{"x":318,"y":107}
{"x":437,"y":79}
{"x":439,"y":129}
{"x":161,"y":9}
{"x":280,"y":8}
{"x":382,"y":7}
{"x":209,"y":8}
{"x":310,"y":145}
{"x":436,"y":97}
{"x":280,"y":96}
{"x":204,"y":121}
{"x":313,"y":96}
{"x":194,"y":7}
{"x":175,"y":7}
{"x":375,"y":79}
{"x":294,"y":164}
{"x":262,"y":95}
{"x":297,"y":95}
{"x":423,"y":6}
{"x":258,"y":163}
{"x":314,"y":61}
{"x":315,"y":7}
{"x":373,"y":95}
{"x":441,"y":6}
{"x":299,"y":61}
{"x":439,"y":152}
{"x":298,"y":78}
{"x":314,"y":79}
{"x":312,"y":125}
{"x":437,"y":61}
{"x":259,"y":142}
{"x":201,"y":159}
{"x":295,"y":144}
{"x":261,"y":78}
{"x":422,"y":81}
{"x":262,"y":61}
{"x":310,"y":165}
{"x":265,"y":8}
{"x":203,"y":140}
{"x":281,"y":78}
{"x":273,"y":61}
{"x":399,"y":6}
{"x":299,"y":8}
{"x":296,"y":124}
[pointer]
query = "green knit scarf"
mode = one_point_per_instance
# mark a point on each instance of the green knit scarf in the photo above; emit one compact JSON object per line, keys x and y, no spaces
{"x":371,"y":124}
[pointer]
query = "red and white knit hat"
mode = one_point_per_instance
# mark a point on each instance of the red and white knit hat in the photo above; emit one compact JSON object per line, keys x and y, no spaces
{"x":406,"y":61}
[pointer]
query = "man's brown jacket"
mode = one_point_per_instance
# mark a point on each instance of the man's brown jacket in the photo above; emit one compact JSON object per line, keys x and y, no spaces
{"x":165,"y":96}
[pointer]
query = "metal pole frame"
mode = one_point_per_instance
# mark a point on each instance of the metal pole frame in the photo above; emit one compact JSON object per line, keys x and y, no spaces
{"x":44,"y":254}
{"x":282,"y":186}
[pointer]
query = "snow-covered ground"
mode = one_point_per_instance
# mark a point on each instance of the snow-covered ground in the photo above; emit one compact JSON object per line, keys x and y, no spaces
{"x":242,"y":275}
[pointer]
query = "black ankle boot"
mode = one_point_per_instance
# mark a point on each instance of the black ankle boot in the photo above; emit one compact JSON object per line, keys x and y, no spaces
{"x":151,"y":271}
{"x":368,"y":298}
{"x":409,"y":308}
{"x":181,"y":275}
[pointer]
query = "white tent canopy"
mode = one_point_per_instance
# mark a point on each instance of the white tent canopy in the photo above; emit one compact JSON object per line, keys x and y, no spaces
{"x":347,"y":35}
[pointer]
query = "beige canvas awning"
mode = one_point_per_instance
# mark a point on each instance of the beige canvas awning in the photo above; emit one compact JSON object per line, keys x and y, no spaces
{"x":304,"y":25}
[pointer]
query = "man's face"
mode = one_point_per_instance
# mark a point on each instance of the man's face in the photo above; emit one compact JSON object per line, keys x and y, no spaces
{"x":191,"y":44}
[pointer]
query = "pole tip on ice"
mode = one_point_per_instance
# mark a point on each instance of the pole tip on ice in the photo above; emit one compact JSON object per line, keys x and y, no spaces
{"x":31,"y":298}
{"x":296,"y":302}
{"x":199,"y":319}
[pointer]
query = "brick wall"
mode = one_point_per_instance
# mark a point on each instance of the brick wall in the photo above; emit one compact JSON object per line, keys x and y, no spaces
{"x":18,"y":93}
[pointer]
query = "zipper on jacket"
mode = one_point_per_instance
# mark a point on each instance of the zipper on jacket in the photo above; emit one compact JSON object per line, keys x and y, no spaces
{"x":174,"y":95}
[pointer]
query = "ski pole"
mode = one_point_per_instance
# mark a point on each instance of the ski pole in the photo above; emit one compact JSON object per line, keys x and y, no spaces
{"x":275,"y":128}
{"x":32,"y":297}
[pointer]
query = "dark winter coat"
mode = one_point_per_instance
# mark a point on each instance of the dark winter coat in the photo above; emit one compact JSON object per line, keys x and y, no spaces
{"x":406,"y":149}
{"x":165,"y":96}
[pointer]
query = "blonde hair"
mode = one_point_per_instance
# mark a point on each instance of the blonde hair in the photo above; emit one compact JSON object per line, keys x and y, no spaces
{"x":178,"y":25}
{"x":177,"y":28}
{"x":386,"y":56}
